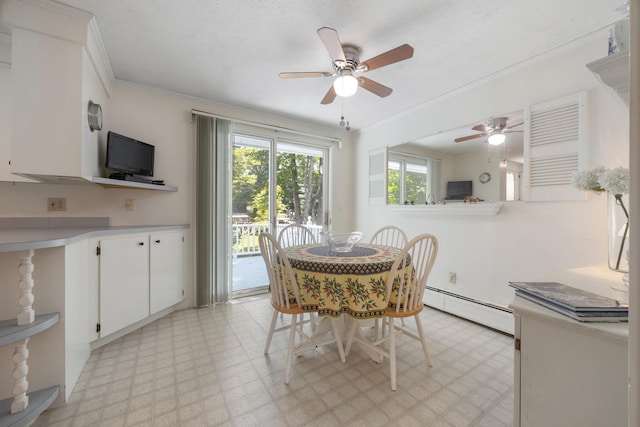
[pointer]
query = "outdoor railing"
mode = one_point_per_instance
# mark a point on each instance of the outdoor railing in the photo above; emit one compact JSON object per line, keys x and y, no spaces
{"x":245,"y":236}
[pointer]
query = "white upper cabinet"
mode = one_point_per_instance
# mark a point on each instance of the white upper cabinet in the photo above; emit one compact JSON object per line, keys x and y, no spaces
{"x":5,"y":111}
{"x":57,"y":67}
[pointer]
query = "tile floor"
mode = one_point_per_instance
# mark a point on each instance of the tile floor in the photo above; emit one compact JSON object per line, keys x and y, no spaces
{"x":206,"y":367}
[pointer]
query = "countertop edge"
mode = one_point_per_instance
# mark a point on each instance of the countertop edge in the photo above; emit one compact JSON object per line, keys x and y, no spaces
{"x":617,"y":331}
{"x":43,"y":238}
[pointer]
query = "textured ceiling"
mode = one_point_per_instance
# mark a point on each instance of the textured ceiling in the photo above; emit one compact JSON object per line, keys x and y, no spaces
{"x":231,"y":51}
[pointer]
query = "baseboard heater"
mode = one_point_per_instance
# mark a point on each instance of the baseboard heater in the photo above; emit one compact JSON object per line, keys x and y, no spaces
{"x":484,"y":313}
{"x":472,"y":300}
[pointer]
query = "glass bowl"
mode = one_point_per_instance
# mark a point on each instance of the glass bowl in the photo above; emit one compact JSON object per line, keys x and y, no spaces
{"x":342,"y":242}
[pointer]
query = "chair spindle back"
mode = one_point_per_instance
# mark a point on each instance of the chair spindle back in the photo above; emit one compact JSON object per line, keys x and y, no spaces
{"x":282,"y":281}
{"x":410,"y":271}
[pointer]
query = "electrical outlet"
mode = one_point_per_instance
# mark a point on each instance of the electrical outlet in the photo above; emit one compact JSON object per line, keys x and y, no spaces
{"x":129,"y":205}
{"x":452,"y":278}
{"x":56,"y":204}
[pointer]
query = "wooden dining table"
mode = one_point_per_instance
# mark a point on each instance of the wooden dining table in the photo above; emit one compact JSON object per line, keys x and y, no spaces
{"x":335,"y":283}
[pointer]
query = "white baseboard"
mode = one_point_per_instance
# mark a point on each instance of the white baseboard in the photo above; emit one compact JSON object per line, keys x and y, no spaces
{"x":124,"y":331}
{"x":491,"y":315}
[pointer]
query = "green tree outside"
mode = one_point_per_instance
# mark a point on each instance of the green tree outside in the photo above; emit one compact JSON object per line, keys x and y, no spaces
{"x":299,"y":185}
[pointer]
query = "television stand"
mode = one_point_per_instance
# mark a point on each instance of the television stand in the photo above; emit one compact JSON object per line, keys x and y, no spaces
{"x":128,"y":177}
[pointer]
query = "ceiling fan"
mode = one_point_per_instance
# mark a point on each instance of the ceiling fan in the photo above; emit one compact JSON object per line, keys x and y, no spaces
{"x":347,"y":66}
{"x":495,"y":129}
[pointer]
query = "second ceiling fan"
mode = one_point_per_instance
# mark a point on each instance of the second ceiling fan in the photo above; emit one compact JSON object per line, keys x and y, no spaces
{"x":348,"y":67}
{"x":495,"y":129}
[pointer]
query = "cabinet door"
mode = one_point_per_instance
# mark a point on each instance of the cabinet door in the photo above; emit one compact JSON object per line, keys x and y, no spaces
{"x":570,"y":375}
{"x":165,"y":270}
{"x":124,"y":282}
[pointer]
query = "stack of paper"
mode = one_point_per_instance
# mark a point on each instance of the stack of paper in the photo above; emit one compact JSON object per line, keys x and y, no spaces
{"x":573,"y":302}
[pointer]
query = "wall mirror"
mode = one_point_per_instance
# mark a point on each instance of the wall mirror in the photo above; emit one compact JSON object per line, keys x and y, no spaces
{"x":452,"y":165}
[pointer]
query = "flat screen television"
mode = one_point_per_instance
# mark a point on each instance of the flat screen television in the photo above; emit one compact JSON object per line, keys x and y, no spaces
{"x":128,"y":157}
{"x":459,"y":190}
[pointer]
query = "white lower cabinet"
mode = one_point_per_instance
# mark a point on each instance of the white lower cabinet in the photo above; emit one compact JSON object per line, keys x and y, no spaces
{"x":165,"y":270}
{"x":568,"y":373}
{"x":124,"y":282}
{"x":140,"y":275}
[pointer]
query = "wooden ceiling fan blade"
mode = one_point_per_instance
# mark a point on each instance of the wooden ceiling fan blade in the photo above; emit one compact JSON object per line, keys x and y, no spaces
{"x":392,"y":56}
{"x":329,"y":97}
{"x":374,"y":87}
{"x":467,"y":138}
{"x":331,"y":41}
{"x":480,"y":128}
{"x":302,"y":74}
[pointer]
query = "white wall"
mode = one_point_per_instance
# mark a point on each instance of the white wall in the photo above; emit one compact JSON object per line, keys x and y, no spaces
{"x":526,"y":241}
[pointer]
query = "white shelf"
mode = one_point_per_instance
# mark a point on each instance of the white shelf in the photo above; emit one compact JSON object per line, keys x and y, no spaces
{"x":11,"y":332}
{"x":613,"y":72}
{"x":118,"y":183}
{"x":38,"y":401}
{"x":481,"y":208}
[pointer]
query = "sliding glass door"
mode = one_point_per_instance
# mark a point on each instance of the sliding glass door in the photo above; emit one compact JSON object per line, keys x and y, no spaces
{"x":251,"y":210}
{"x":300,"y":181}
{"x":274,"y":183}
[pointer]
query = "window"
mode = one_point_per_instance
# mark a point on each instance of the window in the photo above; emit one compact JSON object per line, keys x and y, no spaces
{"x":394,"y":196}
{"x":412,"y":179}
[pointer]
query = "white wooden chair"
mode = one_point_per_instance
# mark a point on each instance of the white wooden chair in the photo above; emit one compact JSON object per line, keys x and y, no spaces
{"x":390,"y":235}
{"x":294,"y":235}
{"x":408,"y":279}
{"x":286,"y":300}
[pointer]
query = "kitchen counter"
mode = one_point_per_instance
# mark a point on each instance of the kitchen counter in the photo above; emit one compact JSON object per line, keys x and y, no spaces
{"x":42,"y":238}
{"x":18,"y":234}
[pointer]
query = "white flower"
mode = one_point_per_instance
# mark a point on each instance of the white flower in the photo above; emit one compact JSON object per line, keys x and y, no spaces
{"x":615,"y":181}
{"x":588,"y":180}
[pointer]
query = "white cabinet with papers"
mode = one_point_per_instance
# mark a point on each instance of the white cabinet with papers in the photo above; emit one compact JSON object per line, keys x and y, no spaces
{"x":567,"y":372}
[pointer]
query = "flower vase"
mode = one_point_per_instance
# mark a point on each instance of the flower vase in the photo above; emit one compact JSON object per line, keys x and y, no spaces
{"x":618,"y":217}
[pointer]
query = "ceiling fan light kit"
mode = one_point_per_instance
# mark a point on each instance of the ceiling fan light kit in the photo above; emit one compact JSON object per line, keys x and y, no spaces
{"x":346,"y":62}
{"x":497,"y":138}
{"x":345,"y":85}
